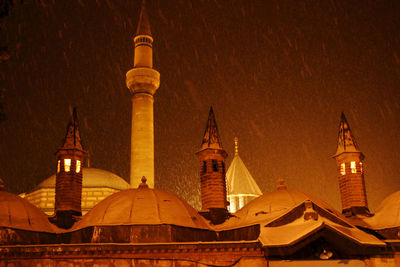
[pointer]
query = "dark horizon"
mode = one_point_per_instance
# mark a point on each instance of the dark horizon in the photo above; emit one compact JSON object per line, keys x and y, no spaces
{"x":278,"y":75}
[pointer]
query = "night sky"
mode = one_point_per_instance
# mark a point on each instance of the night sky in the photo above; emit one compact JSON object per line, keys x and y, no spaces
{"x":277,"y":73}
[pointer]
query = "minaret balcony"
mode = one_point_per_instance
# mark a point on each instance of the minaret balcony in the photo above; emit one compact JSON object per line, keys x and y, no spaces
{"x":143,"y":80}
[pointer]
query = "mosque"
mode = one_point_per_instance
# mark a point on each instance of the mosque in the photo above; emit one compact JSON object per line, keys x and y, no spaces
{"x":90,"y":217}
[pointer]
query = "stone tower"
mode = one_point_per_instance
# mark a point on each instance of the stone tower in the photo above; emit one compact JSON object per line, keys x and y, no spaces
{"x":69,"y":176}
{"x":349,"y":161}
{"x":212,"y":174}
{"x":142,"y":81}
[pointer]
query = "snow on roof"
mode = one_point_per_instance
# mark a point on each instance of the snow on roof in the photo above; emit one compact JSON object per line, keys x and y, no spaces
{"x":18,"y":213}
{"x":270,"y":206}
{"x":291,"y":233}
{"x":239,"y":179}
{"x":387,"y":214}
{"x":142,"y":206}
{"x":287,"y":216}
{"x":92,"y":177}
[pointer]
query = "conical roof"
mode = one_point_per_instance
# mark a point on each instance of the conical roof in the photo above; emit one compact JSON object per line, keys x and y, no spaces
{"x":239,"y":179}
{"x":346,"y":142}
{"x":211,"y":137}
{"x":72,"y":138}
{"x":143,"y":25}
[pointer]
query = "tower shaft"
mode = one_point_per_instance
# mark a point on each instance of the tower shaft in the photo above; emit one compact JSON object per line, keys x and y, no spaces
{"x":142,"y":140}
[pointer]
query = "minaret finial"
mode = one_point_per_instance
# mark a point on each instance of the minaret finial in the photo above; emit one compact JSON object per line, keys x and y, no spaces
{"x":281,"y":184}
{"x":143,"y":183}
{"x":236,"y":140}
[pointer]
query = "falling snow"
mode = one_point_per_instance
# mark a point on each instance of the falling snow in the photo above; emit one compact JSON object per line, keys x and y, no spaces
{"x":278,"y":75}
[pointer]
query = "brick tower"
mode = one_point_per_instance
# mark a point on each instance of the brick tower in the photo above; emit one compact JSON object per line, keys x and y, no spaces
{"x":69,"y":176}
{"x":349,"y":161}
{"x":212,"y":174}
{"x":142,"y":81}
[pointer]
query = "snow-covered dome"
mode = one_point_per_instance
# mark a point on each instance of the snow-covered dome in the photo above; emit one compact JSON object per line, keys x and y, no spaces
{"x":18,"y":213}
{"x":388,"y":213}
{"x":271,"y":205}
{"x":142,"y":206}
{"x":92,"y":177}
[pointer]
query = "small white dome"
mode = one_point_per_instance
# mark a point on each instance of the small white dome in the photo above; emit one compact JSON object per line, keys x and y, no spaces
{"x":92,"y":177}
{"x":142,"y":206}
{"x":17,"y":213}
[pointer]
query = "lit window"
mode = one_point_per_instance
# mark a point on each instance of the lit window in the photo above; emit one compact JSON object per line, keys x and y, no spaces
{"x":67,"y":165}
{"x":353,"y":167}
{"x":361,"y":167}
{"x":342,"y":169}
{"x":78,"y":166}
{"x":58,"y":166}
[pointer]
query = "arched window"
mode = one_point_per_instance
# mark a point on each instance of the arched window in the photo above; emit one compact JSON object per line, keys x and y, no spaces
{"x":204,"y":166}
{"x":58,"y":166}
{"x":67,"y":165}
{"x":215,"y":165}
{"x":78,"y":166}
{"x":353,"y":167}
{"x":343,"y":168}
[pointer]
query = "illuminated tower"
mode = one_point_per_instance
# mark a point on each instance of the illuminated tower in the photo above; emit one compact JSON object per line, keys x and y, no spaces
{"x":350,"y":170}
{"x":142,"y":82}
{"x":212,"y":173}
{"x":69,"y":176}
{"x":242,"y":188}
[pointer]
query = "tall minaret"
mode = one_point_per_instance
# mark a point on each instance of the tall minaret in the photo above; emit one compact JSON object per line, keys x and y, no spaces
{"x":212,"y":173}
{"x":349,"y":161}
{"x":142,"y":81}
{"x":69,"y":176}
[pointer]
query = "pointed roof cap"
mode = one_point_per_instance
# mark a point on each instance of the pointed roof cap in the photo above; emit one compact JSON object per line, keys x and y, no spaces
{"x":143,"y":25}
{"x":211,"y":137}
{"x":239,"y":179}
{"x":346,"y":142}
{"x":72,"y":138}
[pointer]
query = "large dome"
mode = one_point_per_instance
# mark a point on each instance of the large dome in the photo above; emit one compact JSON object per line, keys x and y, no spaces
{"x":271,"y":205}
{"x":17,"y":213}
{"x":388,"y":213}
{"x":142,"y":206}
{"x":92,"y":177}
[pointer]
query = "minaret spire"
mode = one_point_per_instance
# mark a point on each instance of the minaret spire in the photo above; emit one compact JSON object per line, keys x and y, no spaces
{"x":211,"y":137}
{"x":349,"y":161}
{"x":142,"y":81}
{"x":212,"y":174}
{"x":346,"y":142}
{"x":143,"y":27}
